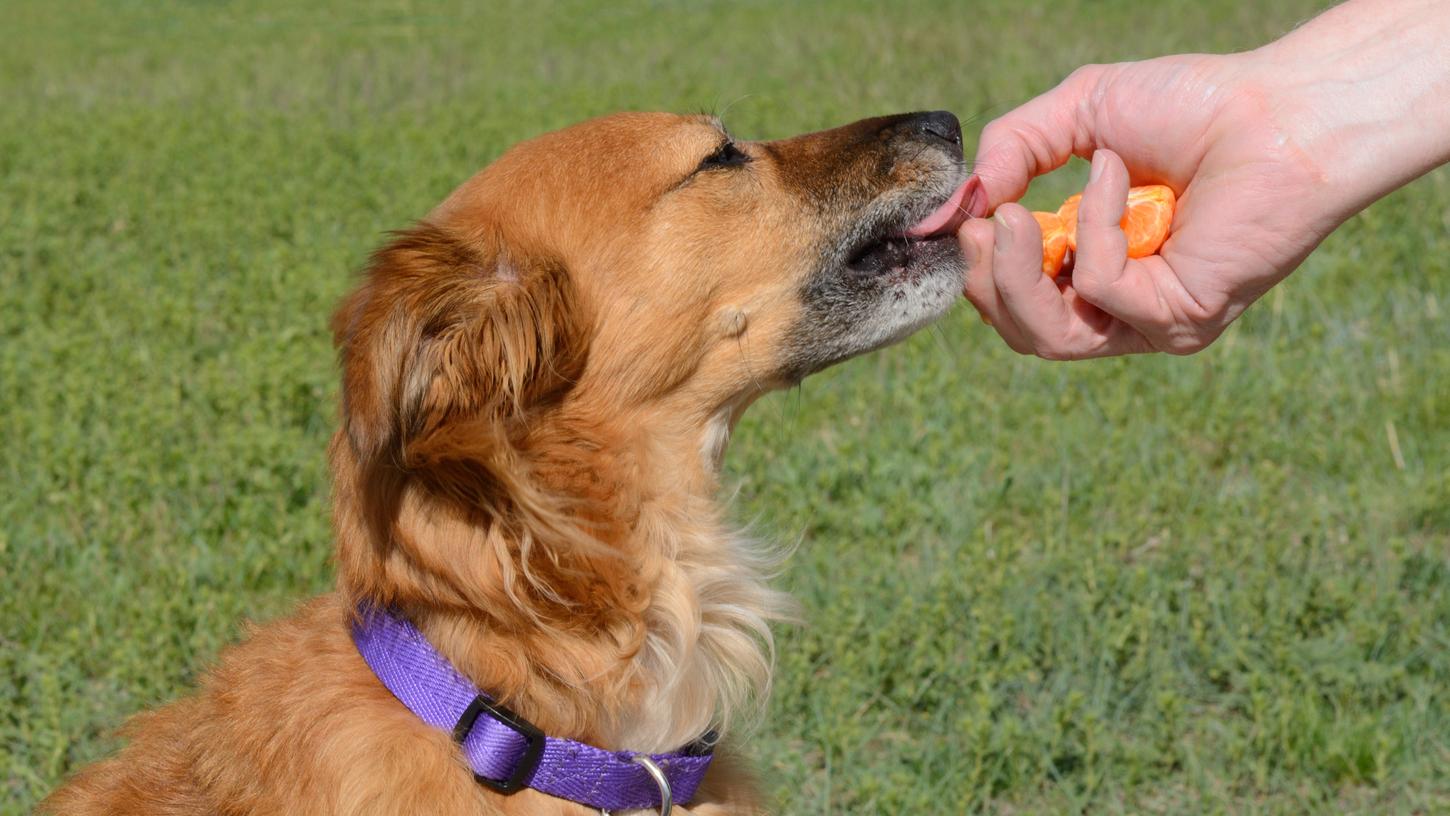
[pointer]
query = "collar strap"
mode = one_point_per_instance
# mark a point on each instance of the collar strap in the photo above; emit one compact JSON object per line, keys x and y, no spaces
{"x":505,"y":751}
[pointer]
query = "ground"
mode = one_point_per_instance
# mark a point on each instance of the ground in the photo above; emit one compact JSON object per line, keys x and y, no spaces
{"x":1214,"y":584}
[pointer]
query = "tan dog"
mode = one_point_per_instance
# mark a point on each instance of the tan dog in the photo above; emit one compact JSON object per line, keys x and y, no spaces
{"x":539,"y":381}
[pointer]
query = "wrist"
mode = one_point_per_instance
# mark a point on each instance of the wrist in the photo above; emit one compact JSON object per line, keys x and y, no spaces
{"x":1363,"y":93}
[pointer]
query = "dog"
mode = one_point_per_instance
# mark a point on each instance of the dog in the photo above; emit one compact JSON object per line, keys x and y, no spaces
{"x":539,"y":381}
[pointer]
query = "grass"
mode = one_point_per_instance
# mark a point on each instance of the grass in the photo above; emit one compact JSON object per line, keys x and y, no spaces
{"x":1217,"y":584}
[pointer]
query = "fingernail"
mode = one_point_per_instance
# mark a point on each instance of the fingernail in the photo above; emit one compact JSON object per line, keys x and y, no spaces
{"x":1100,"y":163}
{"x":1004,"y":231}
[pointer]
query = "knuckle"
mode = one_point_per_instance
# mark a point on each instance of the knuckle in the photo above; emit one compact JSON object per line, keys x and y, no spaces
{"x":1200,"y":323}
{"x":1082,"y":73}
{"x":1090,"y":282}
{"x":1212,"y":310}
{"x":1099,"y":267}
{"x":1084,"y":82}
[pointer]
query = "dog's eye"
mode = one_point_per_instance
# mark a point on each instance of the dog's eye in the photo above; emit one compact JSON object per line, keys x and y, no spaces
{"x":727,"y":155}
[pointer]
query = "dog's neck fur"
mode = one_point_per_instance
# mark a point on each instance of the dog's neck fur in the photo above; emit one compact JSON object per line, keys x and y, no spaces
{"x":643,"y":644}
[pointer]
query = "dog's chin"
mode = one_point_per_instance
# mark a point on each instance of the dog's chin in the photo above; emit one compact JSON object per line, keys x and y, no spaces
{"x":915,"y":282}
{"x":886,"y":285}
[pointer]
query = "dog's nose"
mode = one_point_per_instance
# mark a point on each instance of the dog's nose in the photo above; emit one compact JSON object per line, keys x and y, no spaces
{"x":941,"y":125}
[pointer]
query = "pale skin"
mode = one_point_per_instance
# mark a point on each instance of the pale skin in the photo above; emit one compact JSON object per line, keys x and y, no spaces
{"x":1269,"y":151}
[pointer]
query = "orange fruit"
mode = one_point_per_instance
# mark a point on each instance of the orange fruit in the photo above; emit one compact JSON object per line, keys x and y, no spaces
{"x":1146,"y":221}
{"x":1054,"y":242}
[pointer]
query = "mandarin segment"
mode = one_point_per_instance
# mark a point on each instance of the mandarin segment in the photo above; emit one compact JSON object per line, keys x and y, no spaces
{"x":1146,"y":220}
{"x":1054,"y":242}
{"x":1068,"y":213}
{"x":1149,"y":216}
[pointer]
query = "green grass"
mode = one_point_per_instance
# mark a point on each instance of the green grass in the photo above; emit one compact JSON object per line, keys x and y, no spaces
{"x":1164,"y":585}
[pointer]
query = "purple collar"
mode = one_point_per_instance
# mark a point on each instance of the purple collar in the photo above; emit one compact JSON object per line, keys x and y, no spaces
{"x":505,"y":751}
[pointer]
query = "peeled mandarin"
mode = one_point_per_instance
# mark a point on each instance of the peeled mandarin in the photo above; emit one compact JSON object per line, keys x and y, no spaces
{"x":1054,"y":242}
{"x":1146,"y":220}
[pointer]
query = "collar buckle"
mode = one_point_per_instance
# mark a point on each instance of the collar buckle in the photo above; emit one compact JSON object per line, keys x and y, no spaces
{"x":533,"y":742}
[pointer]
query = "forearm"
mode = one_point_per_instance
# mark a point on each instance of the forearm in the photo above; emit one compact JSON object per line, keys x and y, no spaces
{"x":1364,"y":90}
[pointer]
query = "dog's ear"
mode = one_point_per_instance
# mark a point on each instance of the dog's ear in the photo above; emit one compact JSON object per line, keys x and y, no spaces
{"x":446,"y":329}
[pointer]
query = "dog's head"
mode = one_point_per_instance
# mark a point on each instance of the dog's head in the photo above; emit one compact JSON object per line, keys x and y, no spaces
{"x":631,"y":282}
{"x":646,"y":258}
{"x":539,"y":378}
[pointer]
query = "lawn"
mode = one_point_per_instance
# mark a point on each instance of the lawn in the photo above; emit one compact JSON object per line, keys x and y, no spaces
{"x":1215,"y":584}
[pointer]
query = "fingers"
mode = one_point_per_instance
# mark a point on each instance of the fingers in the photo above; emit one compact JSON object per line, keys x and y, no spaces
{"x":1102,"y":246}
{"x":978,"y":238}
{"x":1030,"y":298}
{"x":1055,"y":323}
{"x":1036,"y":138}
{"x":1029,"y":310}
{"x":1130,"y":290}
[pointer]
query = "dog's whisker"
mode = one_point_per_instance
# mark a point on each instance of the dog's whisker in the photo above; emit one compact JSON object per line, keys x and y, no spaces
{"x":737,"y":100}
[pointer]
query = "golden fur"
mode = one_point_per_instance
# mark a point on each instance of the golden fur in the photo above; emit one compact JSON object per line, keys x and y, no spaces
{"x":538,"y":381}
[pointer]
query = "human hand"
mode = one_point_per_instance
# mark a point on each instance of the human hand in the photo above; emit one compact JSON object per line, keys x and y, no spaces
{"x":1269,"y":151}
{"x":1253,"y":203}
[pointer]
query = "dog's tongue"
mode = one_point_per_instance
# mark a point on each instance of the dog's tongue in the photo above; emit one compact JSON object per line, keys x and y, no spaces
{"x":950,"y":215}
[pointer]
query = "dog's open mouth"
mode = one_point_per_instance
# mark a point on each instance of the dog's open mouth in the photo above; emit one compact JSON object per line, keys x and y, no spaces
{"x":895,"y":249}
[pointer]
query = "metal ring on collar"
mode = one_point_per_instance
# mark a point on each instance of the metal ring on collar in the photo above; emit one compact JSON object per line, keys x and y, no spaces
{"x":667,"y":801}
